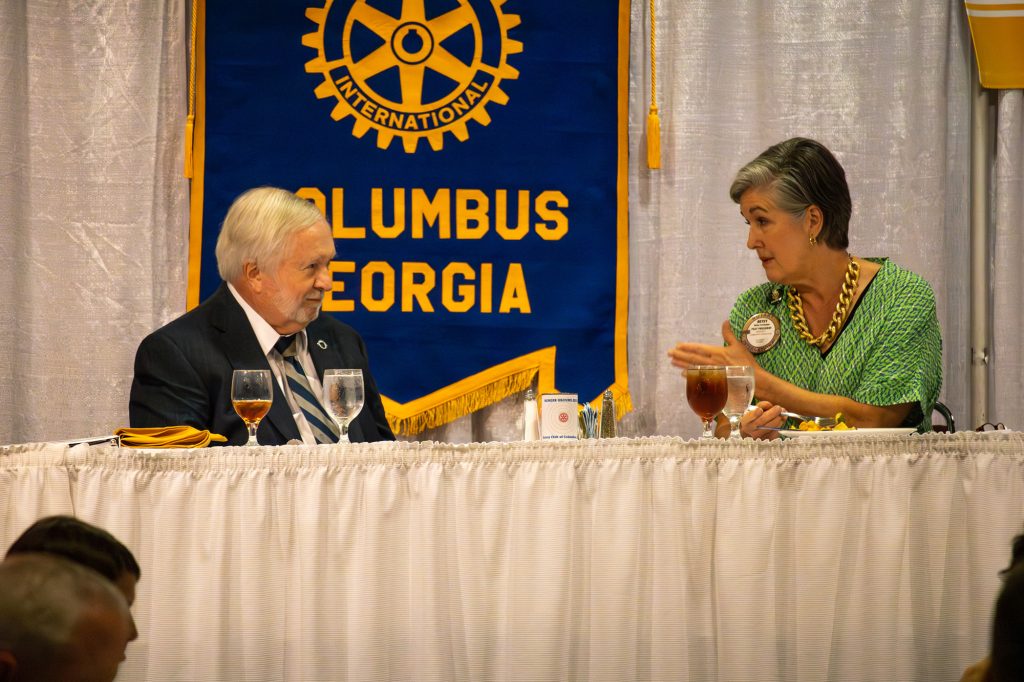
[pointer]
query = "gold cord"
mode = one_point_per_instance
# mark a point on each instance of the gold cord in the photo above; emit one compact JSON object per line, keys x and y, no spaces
{"x":190,"y":119}
{"x":654,"y":55}
{"x":796,"y":309}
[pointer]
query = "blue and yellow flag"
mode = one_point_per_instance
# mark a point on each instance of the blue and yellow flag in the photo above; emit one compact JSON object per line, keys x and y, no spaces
{"x":471,"y":158}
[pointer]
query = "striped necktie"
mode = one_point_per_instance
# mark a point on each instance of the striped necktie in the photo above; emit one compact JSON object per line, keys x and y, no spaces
{"x":323,"y":427}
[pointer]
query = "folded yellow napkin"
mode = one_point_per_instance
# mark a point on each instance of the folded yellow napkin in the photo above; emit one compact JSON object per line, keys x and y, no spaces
{"x":167,"y":437}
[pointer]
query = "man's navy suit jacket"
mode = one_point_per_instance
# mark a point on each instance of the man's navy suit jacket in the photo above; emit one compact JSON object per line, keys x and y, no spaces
{"x":183,"y":374}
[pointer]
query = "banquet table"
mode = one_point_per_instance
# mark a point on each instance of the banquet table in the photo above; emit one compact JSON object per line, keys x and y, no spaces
{"x":838,"y":558}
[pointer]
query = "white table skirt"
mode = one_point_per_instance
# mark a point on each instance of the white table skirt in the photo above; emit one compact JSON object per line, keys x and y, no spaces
{"x":869,"y":558}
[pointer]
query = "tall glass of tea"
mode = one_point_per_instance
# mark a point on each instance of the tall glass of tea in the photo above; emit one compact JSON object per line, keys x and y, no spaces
{"x":251,"y":394}
{"x":706,"y":391}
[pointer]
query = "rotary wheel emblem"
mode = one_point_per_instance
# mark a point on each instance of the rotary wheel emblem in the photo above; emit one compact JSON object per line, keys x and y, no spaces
{"x":419,"y":75}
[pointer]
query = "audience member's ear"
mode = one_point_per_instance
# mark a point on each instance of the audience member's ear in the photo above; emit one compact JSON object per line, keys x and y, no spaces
{"x":8,"y":666}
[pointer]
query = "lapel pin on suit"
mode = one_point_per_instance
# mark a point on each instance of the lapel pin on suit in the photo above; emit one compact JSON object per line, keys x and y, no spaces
{"x":322,"y":344}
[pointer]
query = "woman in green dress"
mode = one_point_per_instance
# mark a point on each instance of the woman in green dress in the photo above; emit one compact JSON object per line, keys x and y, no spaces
{"x":828,"y":332}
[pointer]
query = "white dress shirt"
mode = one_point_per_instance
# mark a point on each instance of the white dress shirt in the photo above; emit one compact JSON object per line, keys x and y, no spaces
{"x":267,"y":337}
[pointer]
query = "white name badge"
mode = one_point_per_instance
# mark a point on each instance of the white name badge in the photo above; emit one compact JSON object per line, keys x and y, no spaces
{"x":761,"y":332}
{"x":558,"y":416}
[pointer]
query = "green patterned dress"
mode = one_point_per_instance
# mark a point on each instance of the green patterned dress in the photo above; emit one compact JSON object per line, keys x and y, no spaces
{"x":889,"y":352}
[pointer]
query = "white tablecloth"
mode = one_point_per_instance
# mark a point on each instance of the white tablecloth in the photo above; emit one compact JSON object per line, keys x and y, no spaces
{"x":854,"y":559}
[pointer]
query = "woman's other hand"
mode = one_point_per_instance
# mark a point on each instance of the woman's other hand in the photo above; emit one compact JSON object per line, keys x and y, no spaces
{"x":764,"y":414}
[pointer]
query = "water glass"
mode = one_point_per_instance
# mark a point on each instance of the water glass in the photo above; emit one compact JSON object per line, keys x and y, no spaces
{"x":343,"y":397}
{"x":740,"y":379}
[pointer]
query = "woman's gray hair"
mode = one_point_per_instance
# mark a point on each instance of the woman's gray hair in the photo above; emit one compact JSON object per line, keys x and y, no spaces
{"x":801,"y":172}
{"x":258,"y":225}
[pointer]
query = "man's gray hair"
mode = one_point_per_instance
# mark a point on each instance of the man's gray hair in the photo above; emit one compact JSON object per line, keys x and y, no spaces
{"x":257,"y":227}
{"x":801,"y":172}
{"x":42,"y":598}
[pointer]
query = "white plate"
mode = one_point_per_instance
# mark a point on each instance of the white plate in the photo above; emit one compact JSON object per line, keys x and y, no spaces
{"x":850,"y":432}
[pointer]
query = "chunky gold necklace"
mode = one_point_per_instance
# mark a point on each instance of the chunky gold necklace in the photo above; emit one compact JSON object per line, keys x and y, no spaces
{"x":796,"y":309}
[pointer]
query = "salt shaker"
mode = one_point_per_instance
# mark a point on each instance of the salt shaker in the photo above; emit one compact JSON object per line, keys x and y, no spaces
{"x":531,"y":420}
{"x":607,"y":415}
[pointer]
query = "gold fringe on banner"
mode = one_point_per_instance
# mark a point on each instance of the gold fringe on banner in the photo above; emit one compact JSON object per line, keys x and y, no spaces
{"x":623,"y":402}
{"x":473,"y":393}
{"x":653,"y":121}
{"x":485,"y":389}
{"x":624,"y":405}
{"x":460,"y":406}
{"x":191,"y":120}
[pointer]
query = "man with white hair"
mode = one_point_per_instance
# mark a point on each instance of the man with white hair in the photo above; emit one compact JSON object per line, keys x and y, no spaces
{"x":273,"y":253}
{"x":59,"y":621}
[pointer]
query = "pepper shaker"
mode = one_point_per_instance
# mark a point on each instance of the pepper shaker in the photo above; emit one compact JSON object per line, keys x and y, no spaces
{"x":608,"y":415}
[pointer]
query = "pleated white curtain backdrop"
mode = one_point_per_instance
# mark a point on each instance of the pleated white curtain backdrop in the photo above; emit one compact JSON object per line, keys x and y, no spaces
{"x":93,"y":205}
{"x":1008,"y":262}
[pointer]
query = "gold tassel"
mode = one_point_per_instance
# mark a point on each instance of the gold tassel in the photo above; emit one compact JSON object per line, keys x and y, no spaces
{"x":623,"y":403}
{"x":653,"y":138}
{"x":189,"y":134}
{"x":653,"y":122}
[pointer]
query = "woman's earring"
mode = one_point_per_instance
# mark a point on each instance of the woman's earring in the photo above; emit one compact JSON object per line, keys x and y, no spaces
{"x":813,"y":240}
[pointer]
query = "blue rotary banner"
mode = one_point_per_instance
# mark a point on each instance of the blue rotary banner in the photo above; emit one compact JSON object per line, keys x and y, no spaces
{"x":470,"y":157}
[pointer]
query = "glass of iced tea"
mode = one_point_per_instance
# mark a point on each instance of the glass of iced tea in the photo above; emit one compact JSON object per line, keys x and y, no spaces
{"x":251,"y":394}
{"x":706,"y":391}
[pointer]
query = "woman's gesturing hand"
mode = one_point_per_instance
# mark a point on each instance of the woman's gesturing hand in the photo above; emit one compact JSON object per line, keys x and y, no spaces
{"x":732,"y":353}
